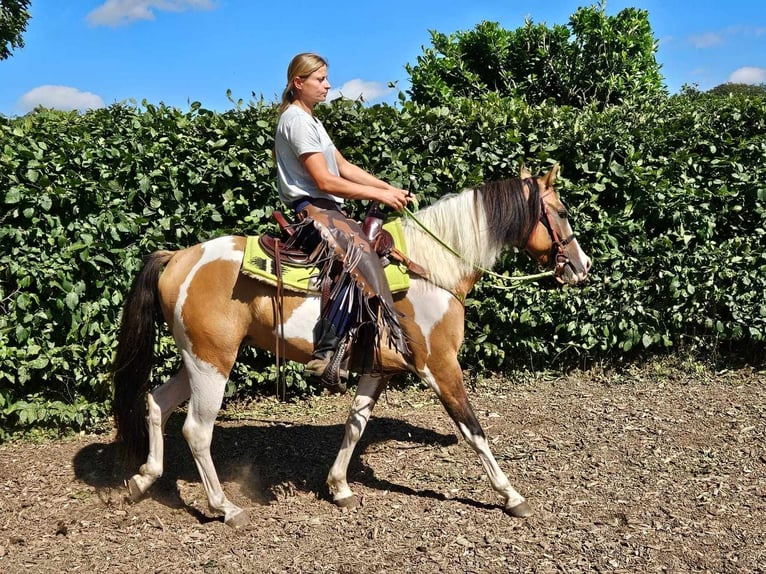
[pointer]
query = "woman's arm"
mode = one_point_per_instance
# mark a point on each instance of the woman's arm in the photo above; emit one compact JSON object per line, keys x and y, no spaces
{"x":356,"y":174}
{"x":353,"y":183}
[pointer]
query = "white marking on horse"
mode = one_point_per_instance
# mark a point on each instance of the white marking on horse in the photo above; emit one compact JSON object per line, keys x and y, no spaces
{"x":429,"y":305}
{"x":497,"y":477}
{"x":300,"y":324}
{"x":427,"y":376}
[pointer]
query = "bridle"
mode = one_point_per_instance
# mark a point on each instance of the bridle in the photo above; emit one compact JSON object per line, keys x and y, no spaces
{"x":557,"y":254}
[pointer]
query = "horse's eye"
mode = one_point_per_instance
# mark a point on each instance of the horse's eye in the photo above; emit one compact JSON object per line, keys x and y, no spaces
{"x":563,"y":214}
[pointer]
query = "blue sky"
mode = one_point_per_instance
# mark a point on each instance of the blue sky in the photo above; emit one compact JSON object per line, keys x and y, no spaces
{"x":81,"y":54}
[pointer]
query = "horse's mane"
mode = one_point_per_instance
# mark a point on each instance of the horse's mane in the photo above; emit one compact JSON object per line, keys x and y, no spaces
{"x":478,"y":223}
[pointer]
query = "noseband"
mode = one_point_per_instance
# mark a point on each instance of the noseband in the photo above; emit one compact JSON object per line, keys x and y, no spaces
{"x":557,"y":244}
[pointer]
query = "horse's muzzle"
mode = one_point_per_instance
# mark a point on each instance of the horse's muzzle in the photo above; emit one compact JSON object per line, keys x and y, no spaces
{"x":569,"y":272}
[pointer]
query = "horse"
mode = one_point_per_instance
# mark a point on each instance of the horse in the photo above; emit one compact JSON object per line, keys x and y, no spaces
{"x":212,"y":308}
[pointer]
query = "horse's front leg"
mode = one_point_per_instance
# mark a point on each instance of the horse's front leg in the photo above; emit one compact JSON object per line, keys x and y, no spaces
{"x":367,"y":395}
{"x":448,"y":384}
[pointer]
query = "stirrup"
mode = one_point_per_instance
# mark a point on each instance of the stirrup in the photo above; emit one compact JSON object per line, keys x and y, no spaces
{"x":331,"y":377}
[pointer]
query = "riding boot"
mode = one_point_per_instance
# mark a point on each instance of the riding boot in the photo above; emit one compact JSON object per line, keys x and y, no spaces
{"x":328,"y":357}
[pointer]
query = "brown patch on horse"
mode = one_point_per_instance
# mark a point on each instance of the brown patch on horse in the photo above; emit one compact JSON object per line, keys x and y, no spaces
{"x":465,"y":285}
{"x":210,"y":317}
{"x":415,"y":339}
{"x":214,"y":321}
{"x":264,"y":309}
{"x":539,"y":246}
{"x":446,"y":336}
{"x":172,"y":278}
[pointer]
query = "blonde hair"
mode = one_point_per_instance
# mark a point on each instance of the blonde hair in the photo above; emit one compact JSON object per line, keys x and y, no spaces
{"x":301,"y":66}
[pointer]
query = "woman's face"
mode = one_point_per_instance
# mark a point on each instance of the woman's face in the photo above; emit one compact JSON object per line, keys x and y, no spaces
{"x":313,"y":88}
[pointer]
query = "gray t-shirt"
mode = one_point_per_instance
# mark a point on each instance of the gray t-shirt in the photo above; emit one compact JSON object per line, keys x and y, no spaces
{"x":298,"y":133}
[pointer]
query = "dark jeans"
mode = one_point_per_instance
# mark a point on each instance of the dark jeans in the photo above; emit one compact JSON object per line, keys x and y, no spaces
{"x":344,"y":306}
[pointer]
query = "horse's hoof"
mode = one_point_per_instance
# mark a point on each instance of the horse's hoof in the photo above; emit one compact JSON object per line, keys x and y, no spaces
{"x":348,"y":502}
{"x":521,"y":510}
{"x":237,"y":521}
{"x":134,"y":492}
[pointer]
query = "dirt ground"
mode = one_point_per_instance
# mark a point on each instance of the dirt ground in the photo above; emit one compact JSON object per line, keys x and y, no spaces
{"x":653,"y":469}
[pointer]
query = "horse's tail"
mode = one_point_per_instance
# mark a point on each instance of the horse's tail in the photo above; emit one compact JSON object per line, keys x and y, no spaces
{"x":134,"y":359}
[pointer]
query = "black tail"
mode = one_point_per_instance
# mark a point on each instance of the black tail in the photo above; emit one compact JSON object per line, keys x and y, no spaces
{"x":135,"y":357}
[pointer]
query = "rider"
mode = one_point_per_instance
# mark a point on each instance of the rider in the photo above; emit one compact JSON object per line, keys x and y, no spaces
{"x":314,"y":179}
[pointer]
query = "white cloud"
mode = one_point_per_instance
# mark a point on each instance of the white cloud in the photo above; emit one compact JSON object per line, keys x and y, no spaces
{"x":748,"y":75}
{"x":711,"y":39}
{"x":353,"y":89}
{"x":707,"y":40}
{"x":665,"y":40}
{"x":123,"y":12}
{"x":59,"y":98}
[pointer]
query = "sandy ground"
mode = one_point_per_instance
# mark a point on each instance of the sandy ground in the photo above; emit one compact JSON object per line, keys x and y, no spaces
{"x":653,"y":469}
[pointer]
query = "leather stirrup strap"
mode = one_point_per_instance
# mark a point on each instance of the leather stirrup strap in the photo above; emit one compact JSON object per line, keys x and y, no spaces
{"x":280,"y":317}
{"x":411,"y":266}
{"x":325,"y":289}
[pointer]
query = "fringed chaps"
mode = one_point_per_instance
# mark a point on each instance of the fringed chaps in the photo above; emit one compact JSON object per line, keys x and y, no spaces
{"x":345,"y":257}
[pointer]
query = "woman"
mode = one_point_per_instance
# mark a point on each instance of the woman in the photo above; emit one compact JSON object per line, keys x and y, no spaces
{"x":314,"y":179}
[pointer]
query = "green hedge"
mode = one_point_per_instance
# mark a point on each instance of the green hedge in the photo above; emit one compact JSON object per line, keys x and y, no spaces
{"x":84,"y":198}
{"x":667,"y":197}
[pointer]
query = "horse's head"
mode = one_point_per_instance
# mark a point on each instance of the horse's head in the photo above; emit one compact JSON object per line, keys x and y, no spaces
{"x":552,"y":242}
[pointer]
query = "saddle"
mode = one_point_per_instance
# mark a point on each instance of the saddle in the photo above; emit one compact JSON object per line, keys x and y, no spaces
{"x":379,"y":238}
{"x":274,"y":246}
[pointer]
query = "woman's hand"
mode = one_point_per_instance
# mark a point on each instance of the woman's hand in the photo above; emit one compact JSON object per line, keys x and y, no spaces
{"x":394,"y":198}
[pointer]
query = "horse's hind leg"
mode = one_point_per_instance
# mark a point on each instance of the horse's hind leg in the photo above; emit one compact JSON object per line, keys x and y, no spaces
{"x":207,"y":388}
{"x":452,"y":394}
{"x":161,"y":403}
{"x":367,"y":395}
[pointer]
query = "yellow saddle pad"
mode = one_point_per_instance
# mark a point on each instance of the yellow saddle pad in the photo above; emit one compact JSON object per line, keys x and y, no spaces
{"x":258,"y":264}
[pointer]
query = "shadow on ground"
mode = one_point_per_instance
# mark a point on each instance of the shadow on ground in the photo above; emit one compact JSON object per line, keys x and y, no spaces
{"x":262,"y":459}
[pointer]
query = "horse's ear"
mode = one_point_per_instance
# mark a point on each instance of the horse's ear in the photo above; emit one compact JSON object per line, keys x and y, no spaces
{"x":550,"y":177}
{"x":524,"y":173}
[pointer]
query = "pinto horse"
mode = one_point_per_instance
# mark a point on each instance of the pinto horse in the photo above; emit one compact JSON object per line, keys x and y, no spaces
{"x":211,"y":308}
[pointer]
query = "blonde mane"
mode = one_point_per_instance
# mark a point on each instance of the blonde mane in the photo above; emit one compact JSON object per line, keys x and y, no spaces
{"x":460,"y":222}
